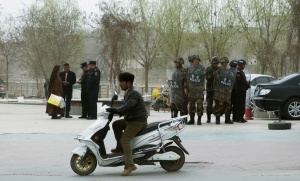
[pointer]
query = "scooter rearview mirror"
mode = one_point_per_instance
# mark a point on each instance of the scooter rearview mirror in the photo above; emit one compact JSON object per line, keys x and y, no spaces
{"x":115,"y":96}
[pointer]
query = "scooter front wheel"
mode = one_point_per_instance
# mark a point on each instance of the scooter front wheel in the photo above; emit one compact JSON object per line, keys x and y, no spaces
{"x":84,"y":167}
{"x":175,"y":165}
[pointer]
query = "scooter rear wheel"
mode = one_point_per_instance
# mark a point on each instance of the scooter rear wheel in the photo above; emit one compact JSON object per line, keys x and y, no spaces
{"x":172,"y":166}
{"x":84,"y":167}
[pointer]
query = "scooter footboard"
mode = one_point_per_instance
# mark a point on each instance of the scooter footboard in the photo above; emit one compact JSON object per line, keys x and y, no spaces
{"x":164,"y":156}
{"x":80,"y":150}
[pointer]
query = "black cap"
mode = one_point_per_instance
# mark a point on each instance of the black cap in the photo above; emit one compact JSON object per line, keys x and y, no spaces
{"x":92,"y":62}
{"x":233,"y":63}
{"x":241,"y":62}
{"x":84,"y":64}
{"x":126,"y":76}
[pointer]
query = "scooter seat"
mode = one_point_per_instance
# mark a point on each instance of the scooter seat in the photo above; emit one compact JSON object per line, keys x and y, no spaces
{"x":150,"y":127}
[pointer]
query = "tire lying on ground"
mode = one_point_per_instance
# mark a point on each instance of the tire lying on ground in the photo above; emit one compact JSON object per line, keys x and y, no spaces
{"x":279,"y":126}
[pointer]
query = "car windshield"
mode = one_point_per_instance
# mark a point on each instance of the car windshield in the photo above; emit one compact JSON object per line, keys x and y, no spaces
{"x":284,"y":79}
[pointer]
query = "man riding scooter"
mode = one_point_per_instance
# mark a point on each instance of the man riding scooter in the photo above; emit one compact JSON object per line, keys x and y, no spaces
{"x":135,"y":119}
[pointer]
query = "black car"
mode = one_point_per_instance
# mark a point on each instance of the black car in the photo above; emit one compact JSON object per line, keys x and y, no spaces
{"x":283,"y":93}
{"x":2,"y":89}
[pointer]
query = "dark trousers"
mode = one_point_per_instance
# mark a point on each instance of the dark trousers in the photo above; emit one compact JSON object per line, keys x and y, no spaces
{"x":131,"y":128}
{"x":93,"y":98}
{"x":84,"y":103}
{"x":240,"y":105}
{"x":233,"y":105}
{"x":67,"y":97}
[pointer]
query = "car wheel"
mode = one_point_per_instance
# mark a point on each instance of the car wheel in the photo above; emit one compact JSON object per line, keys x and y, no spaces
{"x":292,"y":109}
{"x":279,"y":126}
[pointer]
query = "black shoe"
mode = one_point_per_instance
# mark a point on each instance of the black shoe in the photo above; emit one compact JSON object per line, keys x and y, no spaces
{"x":61,"y":116}
{"x":241,"y":121}
{"x":68,"y":116}
{"x":82,"y":117}
{"x":55,"y":117}
{"x":90,"y":118}
{"x":217,"y":119}
{"x":228,"y":122}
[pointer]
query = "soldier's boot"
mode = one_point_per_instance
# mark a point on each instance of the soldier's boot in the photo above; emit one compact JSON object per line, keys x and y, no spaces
{"x":208,"y":117}
{"x":199,"y":120}
{"x":227,"y":119}
{"x":217,"y":119}
{"x":192,"y":119}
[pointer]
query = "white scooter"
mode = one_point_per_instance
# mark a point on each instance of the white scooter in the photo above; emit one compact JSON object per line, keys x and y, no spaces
{"x":150,"y":145}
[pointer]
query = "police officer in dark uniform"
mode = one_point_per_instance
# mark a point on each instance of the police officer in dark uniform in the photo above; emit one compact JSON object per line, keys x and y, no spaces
{"x":242,"y":85}
{"x":92,"y":88}
{"x":84,"y":94}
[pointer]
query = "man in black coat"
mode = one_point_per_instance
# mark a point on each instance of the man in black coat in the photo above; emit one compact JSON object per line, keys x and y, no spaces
{"x":241,"y":86}
{"x":92,"y":87}
{"x":84,"y":94}
{"x":68,"y":78}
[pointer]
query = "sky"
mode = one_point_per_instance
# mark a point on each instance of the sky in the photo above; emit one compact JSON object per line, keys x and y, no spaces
{"x":14,"y":6}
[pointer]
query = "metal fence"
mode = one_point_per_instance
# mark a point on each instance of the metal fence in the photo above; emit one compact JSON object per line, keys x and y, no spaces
{"x":36,"y":90}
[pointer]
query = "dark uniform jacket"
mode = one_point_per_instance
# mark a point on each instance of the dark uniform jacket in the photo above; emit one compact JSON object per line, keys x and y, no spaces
{"x":241,"y":81}
{"x":93,"y":80}
{"x":71,"y":78}
{"x":84,"y":78}
{"x":133,"y":108}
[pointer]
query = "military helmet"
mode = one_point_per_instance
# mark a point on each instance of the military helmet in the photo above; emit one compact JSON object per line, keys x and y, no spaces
{"x":224,"y":60}
{"x":179,"y":60}
{"x":192,"y":57}
{"x":215,"y":60}
{"x":241,"y":62}
{"x":233,"y":63}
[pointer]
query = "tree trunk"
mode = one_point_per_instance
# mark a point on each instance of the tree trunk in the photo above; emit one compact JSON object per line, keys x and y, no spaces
{"x":146,"y":68}
{"x":7,"y":64}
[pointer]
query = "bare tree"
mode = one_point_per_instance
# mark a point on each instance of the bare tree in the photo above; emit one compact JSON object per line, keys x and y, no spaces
{"x":216,"y":27}
{"x":175,"y":22}
{"x":116,"y":33}
{"x":50,"y":33}
{"x":146,"y":44}
{"x":292,"y":52}
{"x":8,"y":45}
{"x":263,"y":24}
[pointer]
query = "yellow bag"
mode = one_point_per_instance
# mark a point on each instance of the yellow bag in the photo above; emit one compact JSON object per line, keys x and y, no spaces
{"x":55,"y":100}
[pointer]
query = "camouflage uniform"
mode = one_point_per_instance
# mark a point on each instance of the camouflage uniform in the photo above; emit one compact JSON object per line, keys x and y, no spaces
{"x":195,"y":86}
{"x":176,"y":85}
{"x":223,"y":84}
{"x":209,"y":75}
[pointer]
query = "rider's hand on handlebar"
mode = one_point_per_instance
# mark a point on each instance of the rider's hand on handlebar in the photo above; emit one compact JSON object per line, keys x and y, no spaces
{"x":111,"y":110}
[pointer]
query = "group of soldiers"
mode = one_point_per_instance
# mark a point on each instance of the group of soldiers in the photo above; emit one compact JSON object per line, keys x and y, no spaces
{"x":225,"y":89}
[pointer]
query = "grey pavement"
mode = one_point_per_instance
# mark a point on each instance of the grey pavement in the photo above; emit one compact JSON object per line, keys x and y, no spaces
{"x":35,"y":147}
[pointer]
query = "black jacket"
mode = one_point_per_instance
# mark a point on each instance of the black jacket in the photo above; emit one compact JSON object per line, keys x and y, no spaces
{"x":93,"y":80}
{"x":133,"y":107}
{"x":71,"y":78}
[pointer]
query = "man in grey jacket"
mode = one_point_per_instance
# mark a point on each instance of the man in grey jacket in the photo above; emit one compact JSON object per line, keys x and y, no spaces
{"x":135,"y":119}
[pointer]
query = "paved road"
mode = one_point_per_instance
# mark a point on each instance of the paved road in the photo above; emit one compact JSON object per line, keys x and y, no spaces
{"x":34,"y":147}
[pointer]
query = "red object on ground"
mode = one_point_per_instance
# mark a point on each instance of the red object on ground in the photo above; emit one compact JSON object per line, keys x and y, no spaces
{"x":248,"y":114}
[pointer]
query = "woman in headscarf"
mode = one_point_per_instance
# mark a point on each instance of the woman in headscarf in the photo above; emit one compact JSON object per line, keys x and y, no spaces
{"x":55,"y":87}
